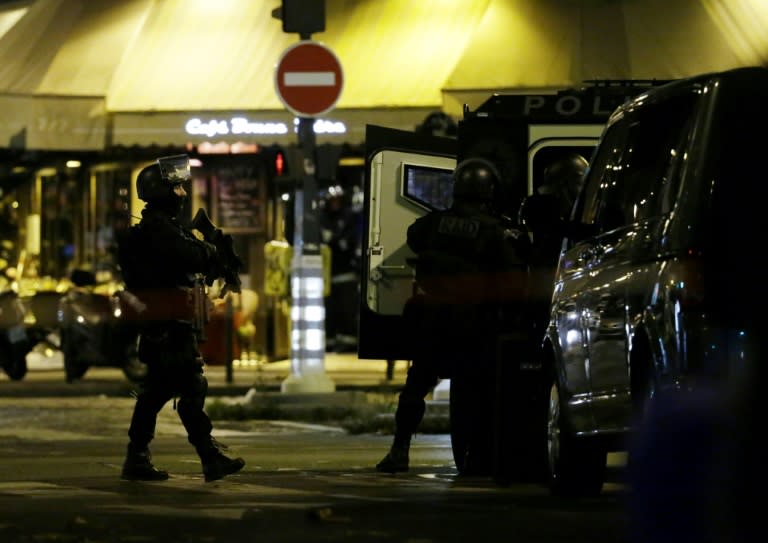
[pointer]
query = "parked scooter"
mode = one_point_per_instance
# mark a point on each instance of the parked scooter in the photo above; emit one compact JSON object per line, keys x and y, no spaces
{"x":27,"y":318}
{"x":15,"y":342}
{"x":94,"y":329}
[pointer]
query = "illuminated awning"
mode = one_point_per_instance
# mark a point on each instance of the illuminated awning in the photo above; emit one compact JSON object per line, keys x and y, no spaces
{"x":259,"y":127}
{"x":150,"y":57}
{"x":544,"y":45}
{"x":222,"y":55}
{"x":60,"y":123}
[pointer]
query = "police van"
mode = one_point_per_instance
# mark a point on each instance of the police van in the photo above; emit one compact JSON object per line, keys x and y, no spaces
{"x":408,"y":174}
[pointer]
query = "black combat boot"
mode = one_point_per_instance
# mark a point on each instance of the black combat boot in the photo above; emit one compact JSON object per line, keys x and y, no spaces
{"x":215,"y":464}
{"x":138,"y":465}
{"x":395,"y":461}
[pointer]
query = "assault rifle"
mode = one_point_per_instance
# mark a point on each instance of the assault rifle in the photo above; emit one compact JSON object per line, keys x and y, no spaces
{"x":229,"y":261}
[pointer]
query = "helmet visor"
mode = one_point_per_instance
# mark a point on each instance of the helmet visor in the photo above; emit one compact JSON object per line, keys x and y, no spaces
{"x":174,"y":169}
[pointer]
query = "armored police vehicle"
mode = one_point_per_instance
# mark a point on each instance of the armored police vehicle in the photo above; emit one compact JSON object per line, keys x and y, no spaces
{"x":408,"y":174}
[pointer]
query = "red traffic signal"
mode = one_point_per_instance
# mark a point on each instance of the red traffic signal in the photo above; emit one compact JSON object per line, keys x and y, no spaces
{"x":279,"y":163}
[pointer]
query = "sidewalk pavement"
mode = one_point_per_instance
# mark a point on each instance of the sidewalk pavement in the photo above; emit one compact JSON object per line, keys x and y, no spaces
{"x":348,"y":373}
{"x":360,"y":384}
{"x":345,"y":370}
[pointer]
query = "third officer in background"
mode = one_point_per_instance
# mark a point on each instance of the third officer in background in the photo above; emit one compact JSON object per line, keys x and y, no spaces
{"x":341,"y":230}
{"x":468,"y":269}
{"x":545,"y":215}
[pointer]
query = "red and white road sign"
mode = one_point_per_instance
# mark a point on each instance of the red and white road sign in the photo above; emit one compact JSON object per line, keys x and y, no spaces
{"x":308,"y":79}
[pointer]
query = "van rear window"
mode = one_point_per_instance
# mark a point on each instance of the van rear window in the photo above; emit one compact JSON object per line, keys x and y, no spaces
{"x":428,"y":186}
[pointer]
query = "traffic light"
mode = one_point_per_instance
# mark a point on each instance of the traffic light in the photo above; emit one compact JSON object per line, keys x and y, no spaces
{"x":305,"y":17}
{"x":278,"y":163}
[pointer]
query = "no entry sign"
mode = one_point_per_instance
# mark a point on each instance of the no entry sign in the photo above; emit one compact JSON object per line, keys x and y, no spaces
{"x":308,"y":79}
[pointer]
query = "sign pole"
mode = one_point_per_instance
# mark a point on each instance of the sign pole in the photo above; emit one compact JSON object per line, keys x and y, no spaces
{"x":308,"y":304}
{"x":308,"y":81}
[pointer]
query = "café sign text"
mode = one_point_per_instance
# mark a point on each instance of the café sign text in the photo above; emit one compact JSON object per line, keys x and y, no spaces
{"x":242,"y":126}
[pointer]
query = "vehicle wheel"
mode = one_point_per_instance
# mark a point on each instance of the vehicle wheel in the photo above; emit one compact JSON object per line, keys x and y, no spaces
{"x":460,"y":422}
{"x":14,"y":359}
{"x":73,"y":368}
{"x":470,"y":418}
{"x":644,"y":390}
{"x":135,"y":370}
{"x":576,"y":465}
{"x":74,"y":372}
{"x":521,"y":431}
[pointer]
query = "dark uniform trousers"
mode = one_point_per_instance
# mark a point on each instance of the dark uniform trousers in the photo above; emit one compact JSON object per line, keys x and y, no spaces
{"x":175,"y":370}
{"x":445,"y":338}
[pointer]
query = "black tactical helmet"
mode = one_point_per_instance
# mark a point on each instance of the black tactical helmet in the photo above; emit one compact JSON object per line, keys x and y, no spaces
{"x":438,"y":124}
{"x":156,"y":181}
{"x":563,"y":177}
{"x":475,"y":179}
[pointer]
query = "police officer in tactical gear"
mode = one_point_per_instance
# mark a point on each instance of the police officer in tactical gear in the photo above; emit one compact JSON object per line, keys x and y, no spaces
{"x":563,"y":179}
{"x":467,"y":270}
{"x":545,"y":215}
{"x":162,"y":262}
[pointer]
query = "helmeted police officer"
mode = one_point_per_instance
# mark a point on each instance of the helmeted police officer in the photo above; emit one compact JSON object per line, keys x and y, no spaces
{"x":161,"y":260}
{"x":467,"y":268}
{"x":545,"y":215}
{"x":563,"y":179}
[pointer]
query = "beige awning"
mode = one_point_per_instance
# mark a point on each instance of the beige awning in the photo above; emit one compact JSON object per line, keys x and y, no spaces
{"x":394,"y":53}
{"x":543,"y":45}
{"x":59,"y":123}
{"x":153,"y":56}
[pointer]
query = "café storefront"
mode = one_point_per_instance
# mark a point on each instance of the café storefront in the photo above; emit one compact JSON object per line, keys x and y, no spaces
{"x":74,"y":198}
{"x":92,"y":90}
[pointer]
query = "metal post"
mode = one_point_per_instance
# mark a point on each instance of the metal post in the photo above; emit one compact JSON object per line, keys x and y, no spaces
{"x":229,"y":335}
{"x":307,"y":304}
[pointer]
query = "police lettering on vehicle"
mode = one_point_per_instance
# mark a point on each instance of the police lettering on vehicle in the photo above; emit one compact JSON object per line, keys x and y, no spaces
{"x":587,"y":104}
{"x":459,"y":227}
{"x":567,"y":105}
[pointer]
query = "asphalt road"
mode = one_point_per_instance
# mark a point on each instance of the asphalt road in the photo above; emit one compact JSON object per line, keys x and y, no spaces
{"x":60,"y":460}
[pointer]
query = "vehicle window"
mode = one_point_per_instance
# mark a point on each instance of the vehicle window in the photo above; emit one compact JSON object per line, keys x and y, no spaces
{"x":673,"y":175}
{"x":428,"y":186}
{"x":602,"y":172}
{"x":652,"y":144}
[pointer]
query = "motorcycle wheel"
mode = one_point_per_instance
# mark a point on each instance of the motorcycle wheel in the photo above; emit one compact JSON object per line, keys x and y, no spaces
{"x":14,"y":360}
{"x":134,"y":369}
{"x":73,"y":368}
